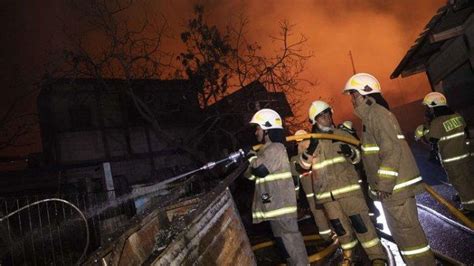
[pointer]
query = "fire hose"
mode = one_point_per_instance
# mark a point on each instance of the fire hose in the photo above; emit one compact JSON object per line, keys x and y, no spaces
{"x":233,"y":157}
{"x":459,"y":215}
{"x":345,"y":139}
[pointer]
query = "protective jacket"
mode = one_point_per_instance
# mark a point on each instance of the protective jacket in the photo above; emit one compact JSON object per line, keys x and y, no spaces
{"x":274,"y":195}
{"x":391,"y":167}
{"x":448,"y":132}
{"x":388,"y":161}
{"x":333,"y":175}
{"x":336,"y":187}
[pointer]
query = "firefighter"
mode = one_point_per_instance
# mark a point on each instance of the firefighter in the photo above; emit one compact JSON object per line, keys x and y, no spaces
{"x":336,"y":187}
{"x":373,"y":211}
{"x":306,"y":184}
{"x":447,"y":131}
{"x":274,"y":197}
{"x":392,"y":173}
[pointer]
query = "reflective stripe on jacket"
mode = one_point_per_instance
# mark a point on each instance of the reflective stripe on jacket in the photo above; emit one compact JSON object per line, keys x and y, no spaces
{"x":387,"y":158}
{"x":274,"y":195}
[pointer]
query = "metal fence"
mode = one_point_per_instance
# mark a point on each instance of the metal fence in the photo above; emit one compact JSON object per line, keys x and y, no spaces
{"x":53,"y":232}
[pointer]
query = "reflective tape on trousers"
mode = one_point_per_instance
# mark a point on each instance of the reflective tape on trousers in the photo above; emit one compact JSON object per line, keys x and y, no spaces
{"x":370,"y":243}
{"x":459,"y":134}
{"x":328,"y":162}
{"x":310,"y":195}
{"x":468,"y":202}
{"x":403,"y":184}
{"x":457,"y":158}
{"x":338,"y":191}
{"x":274,"y":213}
{"x":349,"y":245}
{"x":274,"y":177}
{"x":415,"y":251}
{"x":399,"y":136}
{"x":408,"y":183}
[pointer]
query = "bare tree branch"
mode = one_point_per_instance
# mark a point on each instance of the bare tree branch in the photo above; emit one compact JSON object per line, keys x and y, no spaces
{"x":244,"y":62}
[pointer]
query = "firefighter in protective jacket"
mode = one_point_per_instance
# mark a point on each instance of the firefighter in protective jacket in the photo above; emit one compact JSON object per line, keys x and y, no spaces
{"x":392,"y":173}
{"x":274,"y":197}
{"x":373,"y":211}
{"x":336,"y":187}
{"x":447,"y":130}
{"x":306,"y":184}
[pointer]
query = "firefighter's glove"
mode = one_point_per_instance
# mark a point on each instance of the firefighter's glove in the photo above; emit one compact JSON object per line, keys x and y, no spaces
{"x":346,"y":150}
{"x":249,"y":152}
{"x":313,"y":144}
{"x":420,"y":131}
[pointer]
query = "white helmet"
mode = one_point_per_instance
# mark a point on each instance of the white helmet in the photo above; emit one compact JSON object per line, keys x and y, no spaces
{"x":347,"y":124}
{"x":299,"y":133}
{"x":316,"y":108}
{"x":267,"y":119}
{"x":434,"y":99}
{"x":363,"y":83}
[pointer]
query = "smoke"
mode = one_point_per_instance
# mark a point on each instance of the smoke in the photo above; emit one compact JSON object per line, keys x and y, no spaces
{"x":378,"y":32}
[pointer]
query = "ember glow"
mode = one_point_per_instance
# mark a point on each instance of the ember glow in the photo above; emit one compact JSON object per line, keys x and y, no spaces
{"x":377,"y":32}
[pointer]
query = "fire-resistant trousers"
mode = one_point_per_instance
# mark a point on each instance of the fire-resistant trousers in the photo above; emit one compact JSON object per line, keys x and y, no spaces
{"x":290,"y":241}
{"x":402,"y":220}
{"x":317,"y":210}
{"x":460,"y":175}
{"x":348,"y":215}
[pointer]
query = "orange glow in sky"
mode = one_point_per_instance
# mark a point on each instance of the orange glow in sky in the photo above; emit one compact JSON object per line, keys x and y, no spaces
{"x":378,"y":32}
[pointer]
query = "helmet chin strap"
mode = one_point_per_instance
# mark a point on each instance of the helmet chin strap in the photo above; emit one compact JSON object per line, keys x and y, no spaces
{"x":265,"y":136}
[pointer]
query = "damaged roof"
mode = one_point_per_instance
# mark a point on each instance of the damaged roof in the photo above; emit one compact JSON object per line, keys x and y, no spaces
{"x":448,"y":22}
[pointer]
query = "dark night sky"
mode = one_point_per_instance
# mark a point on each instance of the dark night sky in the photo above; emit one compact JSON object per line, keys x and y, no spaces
{"x":378,"y":32}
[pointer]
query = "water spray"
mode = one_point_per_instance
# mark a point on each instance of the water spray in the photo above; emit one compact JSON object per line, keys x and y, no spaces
{"x":230,"y":159}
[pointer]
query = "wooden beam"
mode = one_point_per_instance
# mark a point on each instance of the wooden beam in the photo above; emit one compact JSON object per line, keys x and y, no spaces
{"x":412,"y":71}
{"x":447,"y":34}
